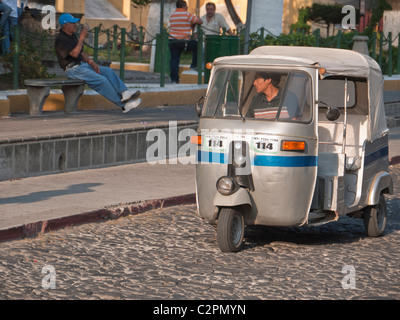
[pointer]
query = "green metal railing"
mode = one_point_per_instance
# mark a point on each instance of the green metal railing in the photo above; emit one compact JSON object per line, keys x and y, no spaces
{"x":385,"y":50}
{"x":16,"y":58}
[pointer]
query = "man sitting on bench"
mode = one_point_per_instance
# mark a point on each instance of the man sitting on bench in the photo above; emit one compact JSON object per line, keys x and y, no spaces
{"x":78,"y":65}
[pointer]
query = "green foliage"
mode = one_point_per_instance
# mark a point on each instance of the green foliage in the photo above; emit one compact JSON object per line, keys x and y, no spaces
{"x":301,"y":24}
{"x":328,"y":13}
{"x":377,"y":16}
{"x":140,"y":3}
{"x":294,"y":39}
{"x":345,"y":41}
{"x":386,"y":61}
{"x":31,"y":53}
{"x":325,"y":12}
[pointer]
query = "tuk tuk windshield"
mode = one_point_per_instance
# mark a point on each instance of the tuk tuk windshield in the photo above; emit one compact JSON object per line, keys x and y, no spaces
{"x":260,"y":94}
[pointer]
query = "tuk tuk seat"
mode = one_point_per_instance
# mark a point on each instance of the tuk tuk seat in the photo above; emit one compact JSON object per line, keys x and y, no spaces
{"x":331,"y":141}
{"x":331,"y":134}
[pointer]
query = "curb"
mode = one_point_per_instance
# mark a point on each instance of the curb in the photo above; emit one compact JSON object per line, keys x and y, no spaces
{"x":84,"y":134}
{"x":34,"y":229}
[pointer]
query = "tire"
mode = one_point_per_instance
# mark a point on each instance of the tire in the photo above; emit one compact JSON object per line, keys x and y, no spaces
{"x":375,"y":218}
{"x":230,"y":230}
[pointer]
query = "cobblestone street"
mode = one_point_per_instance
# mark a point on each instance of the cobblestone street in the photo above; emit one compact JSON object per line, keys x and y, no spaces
{"x":173,"y":254}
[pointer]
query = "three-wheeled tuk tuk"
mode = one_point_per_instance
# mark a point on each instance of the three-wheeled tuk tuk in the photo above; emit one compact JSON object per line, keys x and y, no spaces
{"x":292,"y":136}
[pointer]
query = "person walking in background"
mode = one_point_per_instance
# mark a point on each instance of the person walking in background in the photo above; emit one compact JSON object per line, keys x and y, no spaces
{"x":181,"y":23}
{"x":78,"y":65}
{"x":213,"y":22}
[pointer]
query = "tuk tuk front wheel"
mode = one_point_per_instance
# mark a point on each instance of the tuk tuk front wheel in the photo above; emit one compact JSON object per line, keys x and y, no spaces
{"x":230,"y":230}
{"x":375,"y":218}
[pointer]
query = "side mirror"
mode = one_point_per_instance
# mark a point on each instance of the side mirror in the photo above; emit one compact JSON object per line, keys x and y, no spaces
{"x":199,"y":106}
{"x":332,"y":114}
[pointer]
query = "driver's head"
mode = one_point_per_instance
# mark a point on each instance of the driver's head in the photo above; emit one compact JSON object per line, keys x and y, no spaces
{"x":264,"y":79}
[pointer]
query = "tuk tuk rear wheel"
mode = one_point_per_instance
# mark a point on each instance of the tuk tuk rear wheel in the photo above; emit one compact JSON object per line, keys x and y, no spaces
{"x":375,"y":218}
{"x":230,"y":230}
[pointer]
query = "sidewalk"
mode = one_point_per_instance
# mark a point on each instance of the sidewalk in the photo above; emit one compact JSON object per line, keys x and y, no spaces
{"x":22,"y":126}
{"x":34,"y":205}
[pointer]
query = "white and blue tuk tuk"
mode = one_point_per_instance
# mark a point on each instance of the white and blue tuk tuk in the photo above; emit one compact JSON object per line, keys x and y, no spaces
{"x":316,"y":150}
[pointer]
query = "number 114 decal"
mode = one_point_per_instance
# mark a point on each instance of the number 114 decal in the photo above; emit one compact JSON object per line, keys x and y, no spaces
{"x":265,"y":145}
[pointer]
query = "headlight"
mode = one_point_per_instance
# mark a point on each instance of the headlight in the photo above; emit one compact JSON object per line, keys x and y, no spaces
{"x":226,"y":186}
{"x":239,"y":154}
{"x":238,"y":145}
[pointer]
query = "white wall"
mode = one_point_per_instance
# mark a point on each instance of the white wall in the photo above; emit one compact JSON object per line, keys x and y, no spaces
{"x":267,"y":14}
{"x":391,"y":23}
{"x":153,"y":18}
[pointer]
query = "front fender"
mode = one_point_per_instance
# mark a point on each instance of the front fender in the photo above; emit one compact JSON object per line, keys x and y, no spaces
{"x":240,"y":197}
{"x":381,"y":182}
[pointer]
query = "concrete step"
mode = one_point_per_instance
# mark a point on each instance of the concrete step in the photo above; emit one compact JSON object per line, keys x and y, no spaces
{"x":392,"y":108}
{"x":33,"y":156}
{"x":391,"y":98}
{"x":392,"y":111}
{"x":393,"y":122}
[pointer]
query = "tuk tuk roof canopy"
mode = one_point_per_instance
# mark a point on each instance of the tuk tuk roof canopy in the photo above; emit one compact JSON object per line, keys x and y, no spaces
{"x":336,"y":62}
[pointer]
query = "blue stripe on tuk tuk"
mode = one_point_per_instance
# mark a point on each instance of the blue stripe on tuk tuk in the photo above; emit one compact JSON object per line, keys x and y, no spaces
{"x":282,"y":161}
{"x":261,"y":160}
{"x":212,"y":157}
{"x":373,"y":156}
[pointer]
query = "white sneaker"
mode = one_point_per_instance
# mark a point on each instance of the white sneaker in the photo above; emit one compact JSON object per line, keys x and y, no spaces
{"x":129,"y":95}
{"x":131,"y":105}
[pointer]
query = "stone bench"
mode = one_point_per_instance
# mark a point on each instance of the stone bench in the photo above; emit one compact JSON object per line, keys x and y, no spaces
{"x":39,"y":89}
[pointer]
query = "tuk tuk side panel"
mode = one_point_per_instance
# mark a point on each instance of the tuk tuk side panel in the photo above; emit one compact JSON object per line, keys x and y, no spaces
{"x":286,"y":204}
{"x":376,"y":160}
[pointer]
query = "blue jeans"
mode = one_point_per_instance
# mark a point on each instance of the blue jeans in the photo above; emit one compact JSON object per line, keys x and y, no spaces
{"x":176,"y":47}
{"x":5,"y":10}
{"x":107,"y":83}
{"x":8,"y":34}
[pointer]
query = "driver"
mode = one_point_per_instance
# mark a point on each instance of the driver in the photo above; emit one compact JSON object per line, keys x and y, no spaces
{"x":266,"y":102}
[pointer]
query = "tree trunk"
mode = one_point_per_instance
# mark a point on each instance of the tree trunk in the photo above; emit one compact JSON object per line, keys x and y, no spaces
{"x":232,"y":12}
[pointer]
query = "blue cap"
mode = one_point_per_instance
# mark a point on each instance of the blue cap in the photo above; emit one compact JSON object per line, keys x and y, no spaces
{"x":67,"y":18}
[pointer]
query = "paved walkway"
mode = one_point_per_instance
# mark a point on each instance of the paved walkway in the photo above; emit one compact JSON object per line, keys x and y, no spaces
{"x":31,"y":205}
{"x":52,"y":123}
{"x":85,"y":195}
